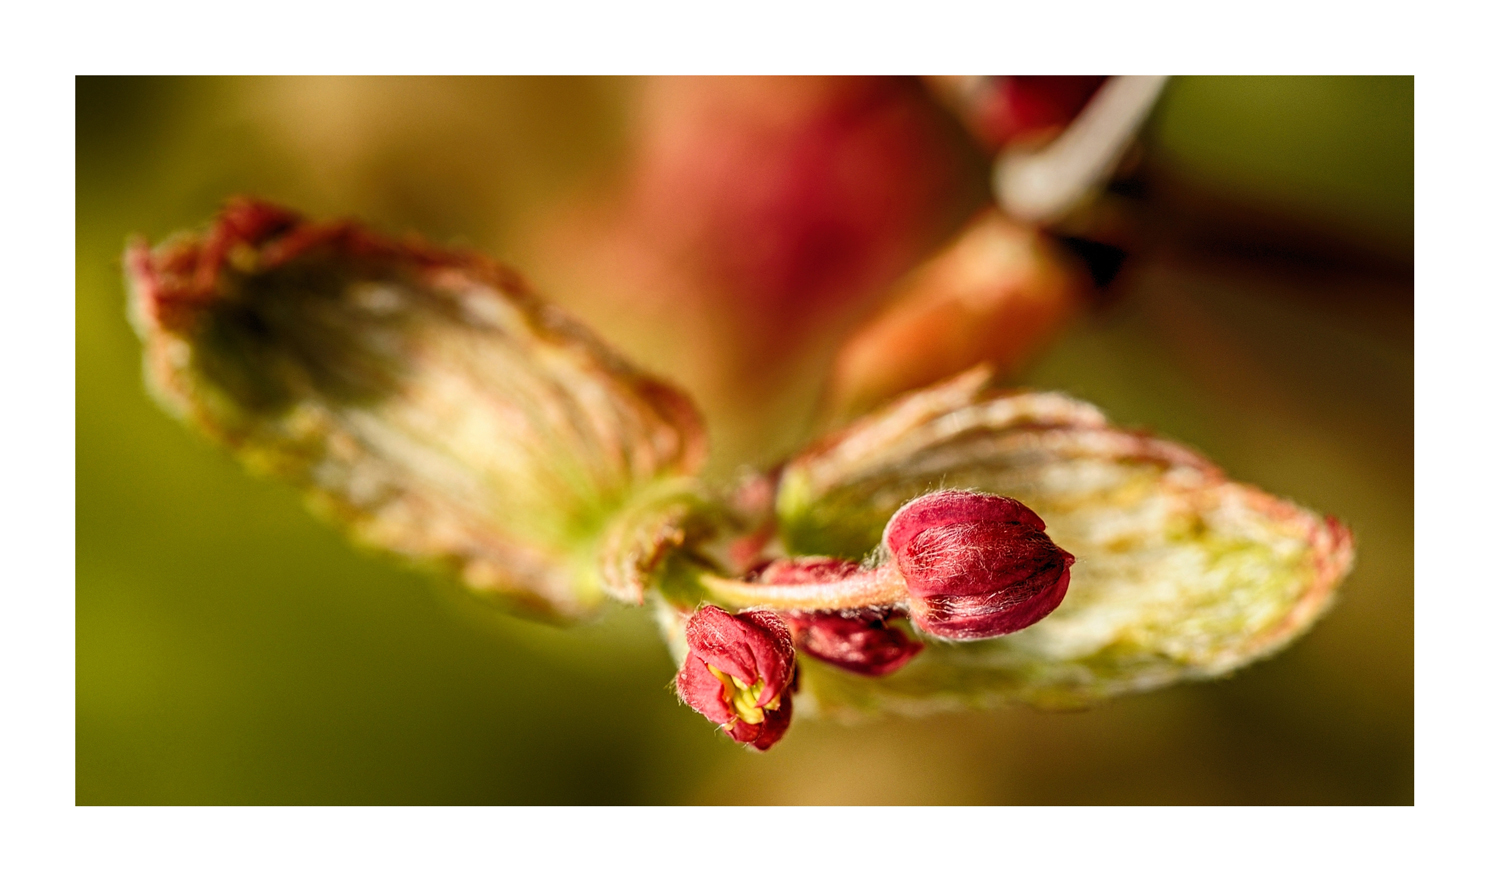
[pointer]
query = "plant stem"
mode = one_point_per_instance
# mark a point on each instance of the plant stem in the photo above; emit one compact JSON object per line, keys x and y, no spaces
{"x":883,"y":586}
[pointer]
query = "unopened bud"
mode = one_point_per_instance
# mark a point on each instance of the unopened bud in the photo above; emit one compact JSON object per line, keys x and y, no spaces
{"x":858,"y":640}
{"x":976,"y":565}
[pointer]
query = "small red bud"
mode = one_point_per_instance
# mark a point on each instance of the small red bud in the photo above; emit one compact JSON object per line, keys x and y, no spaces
{"x":857,"y":640}
{"x":807,"y":570}
{"x":739,"y":672}
{"x":976,"y":565}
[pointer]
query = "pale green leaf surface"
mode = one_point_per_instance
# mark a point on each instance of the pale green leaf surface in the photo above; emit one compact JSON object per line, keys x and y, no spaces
{"x":421,"y":398}
{"x":1180,"y":573}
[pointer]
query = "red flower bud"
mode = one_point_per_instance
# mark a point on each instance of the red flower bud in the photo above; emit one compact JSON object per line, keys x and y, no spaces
{"x":857,"y":640}
{"x":739,"y":672}
{"x":807,"y":570}
{"x":976,"y":565}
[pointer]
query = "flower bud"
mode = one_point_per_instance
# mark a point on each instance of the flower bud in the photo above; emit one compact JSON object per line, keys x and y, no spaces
{"x":976,"y":565}
{"x":807,"y":570}
{"x":739,"y":673}
{"x":858,"y":640}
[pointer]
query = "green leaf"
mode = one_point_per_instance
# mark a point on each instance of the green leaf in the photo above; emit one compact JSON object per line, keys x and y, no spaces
{"x":1179,"y":574}
{"x":422,"y":399}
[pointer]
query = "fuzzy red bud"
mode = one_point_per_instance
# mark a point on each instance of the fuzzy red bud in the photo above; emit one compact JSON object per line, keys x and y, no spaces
{"x":858,"y":640}
{"x":739,"y":672}
{"x":976,"y":565}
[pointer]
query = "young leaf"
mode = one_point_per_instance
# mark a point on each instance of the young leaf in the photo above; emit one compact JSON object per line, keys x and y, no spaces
{"x":1182,"y":573}
{"x":421,"y":397}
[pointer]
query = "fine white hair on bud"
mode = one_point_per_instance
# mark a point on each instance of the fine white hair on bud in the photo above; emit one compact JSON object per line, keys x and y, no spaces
{"x":975,"y":565}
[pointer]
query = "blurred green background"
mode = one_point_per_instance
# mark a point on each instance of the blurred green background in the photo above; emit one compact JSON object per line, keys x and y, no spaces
{"x":232,"y":649}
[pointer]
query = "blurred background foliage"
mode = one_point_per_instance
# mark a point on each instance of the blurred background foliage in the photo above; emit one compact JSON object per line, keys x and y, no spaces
{"x":231,"y":649}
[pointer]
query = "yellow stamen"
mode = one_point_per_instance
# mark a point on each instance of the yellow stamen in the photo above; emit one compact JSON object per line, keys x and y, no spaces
{"x":744,"y":697}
